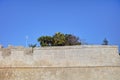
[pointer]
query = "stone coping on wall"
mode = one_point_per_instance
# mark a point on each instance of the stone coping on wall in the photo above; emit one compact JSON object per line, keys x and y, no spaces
{"x":78,"y":46}
{"x":63,"y":47}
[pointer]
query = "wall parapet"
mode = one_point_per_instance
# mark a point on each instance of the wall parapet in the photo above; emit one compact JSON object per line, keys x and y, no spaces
{"x":77,"y":47}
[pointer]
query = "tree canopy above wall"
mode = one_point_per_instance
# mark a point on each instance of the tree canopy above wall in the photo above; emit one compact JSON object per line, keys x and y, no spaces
{"x":59,"y":39}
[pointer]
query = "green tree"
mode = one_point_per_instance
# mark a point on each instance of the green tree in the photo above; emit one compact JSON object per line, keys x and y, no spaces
{"x":45,"y":40}
{"x":59,"y":39}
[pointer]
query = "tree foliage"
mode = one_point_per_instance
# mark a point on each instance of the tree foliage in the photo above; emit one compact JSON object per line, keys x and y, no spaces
{"x":71,"y":40}
{"x":45,"y":40}
{"x":59,"y":39}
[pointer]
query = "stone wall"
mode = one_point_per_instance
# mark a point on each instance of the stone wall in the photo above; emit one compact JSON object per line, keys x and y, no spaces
{"x":61,"y":73}
{"x":86,"y":62}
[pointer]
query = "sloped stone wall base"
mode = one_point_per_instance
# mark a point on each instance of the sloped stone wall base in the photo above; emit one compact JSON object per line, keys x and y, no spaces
{"x":60,"y":73}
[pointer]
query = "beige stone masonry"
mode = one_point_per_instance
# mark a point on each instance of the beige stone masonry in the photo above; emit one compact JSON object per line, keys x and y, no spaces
{"x":65,"y":56}
{"x":85,"y":62}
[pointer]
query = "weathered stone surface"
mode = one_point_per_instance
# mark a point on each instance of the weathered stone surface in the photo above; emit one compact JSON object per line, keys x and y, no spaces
{"x":60,"y":56}
{"x":60,"y":63}
{"x":54,"y":73}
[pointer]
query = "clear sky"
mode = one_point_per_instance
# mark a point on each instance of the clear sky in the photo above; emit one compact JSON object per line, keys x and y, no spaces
{"x":90,"y":20}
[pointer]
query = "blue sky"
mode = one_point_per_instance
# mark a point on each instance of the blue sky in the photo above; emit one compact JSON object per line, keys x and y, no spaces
{"x":90,"y":20}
